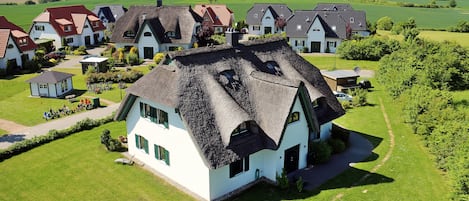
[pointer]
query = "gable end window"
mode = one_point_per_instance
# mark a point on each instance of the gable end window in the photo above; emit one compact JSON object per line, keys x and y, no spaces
{"x":141,"y":143}
{"x":147,"y":34}
{"x":239,"y":166}
{"x":161,"y":154}
{"x":39,"y":27}
{"x":155,"y":115}
{"x":295,"y":116}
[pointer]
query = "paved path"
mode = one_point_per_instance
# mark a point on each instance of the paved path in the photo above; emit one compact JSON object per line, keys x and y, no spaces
{"x":58,"y":124}
{"x":72,"y":61}
{"x":358,"y":150}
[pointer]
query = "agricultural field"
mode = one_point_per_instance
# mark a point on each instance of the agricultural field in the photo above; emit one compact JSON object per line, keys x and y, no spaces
{"x":441,"y":18}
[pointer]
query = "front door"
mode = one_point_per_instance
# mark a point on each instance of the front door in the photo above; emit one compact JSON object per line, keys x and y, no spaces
{"x":148,"y":52}
{"x":267,"y":30}
{"x":315,"y":46}
{"x":292,"y":155}
{"x":96,"y":38}
{"x":87,"y":40}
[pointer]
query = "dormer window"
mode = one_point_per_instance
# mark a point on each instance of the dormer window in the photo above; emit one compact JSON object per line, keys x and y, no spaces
{"x":171,"y":34}
{"x":95,"y":24}
{"x":147,"y":34}
{"x":67,"y":28}
{"x":230,"y":79}
{"x":294,"y":116}
{"x":256,"y":15}
{"x":273,"y":68}
{"x":129,"y":34}
{"x":352,"y":20}
{"x":23,"y":42}
{"x":298,"y":27}
{"x":241,"y":129}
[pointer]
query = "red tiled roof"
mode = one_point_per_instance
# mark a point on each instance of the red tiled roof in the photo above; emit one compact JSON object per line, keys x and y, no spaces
{"x":60,"y":16}
{"x":220,"y":14}
{"x":18,"y":34}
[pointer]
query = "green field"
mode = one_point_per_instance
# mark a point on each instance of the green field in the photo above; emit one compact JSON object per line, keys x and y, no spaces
{"x":333,"y":62}
{"x":79,"y":168}
{"x":440,"y":18}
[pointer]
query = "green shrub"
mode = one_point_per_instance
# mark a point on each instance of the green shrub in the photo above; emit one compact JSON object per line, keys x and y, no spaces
{"x":300,"y":184}
{"x":337,"y":145}
{"x":158,"y":58}
{"x":132,"y":59}
{"x":282,"y":180}
{"x":320,"y":152}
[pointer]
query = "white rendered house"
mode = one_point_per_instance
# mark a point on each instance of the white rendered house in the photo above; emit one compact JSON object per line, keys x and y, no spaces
{"x":267,"y":18}
{"x":224,"y":120}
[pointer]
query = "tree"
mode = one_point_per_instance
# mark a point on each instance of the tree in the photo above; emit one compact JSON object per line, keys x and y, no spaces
{"x":452,"y":3}
{"x":384,"y":23}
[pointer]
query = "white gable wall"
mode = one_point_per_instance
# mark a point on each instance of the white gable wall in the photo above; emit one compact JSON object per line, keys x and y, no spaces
{"x":87,"y":32}
{"x":267,"y":21}
{"x":268,"y":162}
{"x":11,"y":53}
{"x":48,"y":33}
{"x":187,"y":166}
{"x":147,"y":41}
{"x":316,"y":33}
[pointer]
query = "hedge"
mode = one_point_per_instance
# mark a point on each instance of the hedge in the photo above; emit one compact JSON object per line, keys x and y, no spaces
{"x":52,"y":135}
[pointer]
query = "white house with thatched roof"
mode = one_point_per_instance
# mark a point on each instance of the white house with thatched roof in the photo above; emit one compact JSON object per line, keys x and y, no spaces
{"x":51,"y":84}
{"x":216,"y":119}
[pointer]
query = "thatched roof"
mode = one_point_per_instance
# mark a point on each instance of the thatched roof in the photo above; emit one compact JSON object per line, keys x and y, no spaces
{"x":215,"y":89}
{"x":163,"y":19}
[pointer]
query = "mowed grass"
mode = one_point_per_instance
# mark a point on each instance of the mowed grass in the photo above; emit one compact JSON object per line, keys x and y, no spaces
{"x":441,"y":18}
{"x":460,"y":38}
{"x":334,"y":62}
{"x":408,"y":174}
{"x":78,"y":167}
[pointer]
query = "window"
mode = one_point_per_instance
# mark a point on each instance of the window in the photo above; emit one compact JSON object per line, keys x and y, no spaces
{"x":161,"y":154}
{"x":242,"y":128}
{"x":256,"y":28}
{"x":332,"y":44}
{"x":10,"y":46}
{"x":43,"y":86}
{"x":296,"y":42}
{"x":129,"y":34}
{"x":303,"y":43}
{"x":239,"y":166}
{"x":171,"y":34}
{"x":155,"y":115}
{"x":141,"y":143}
{"x":86,"y":26}
{"x":67,"y":28}
{"x":69,"y":40}
{"x":23,"y":42}
{"x":64,"y":86}
{"x":268,"y":18}
{"x":295,"y":116}
{"x":230,"y":79}
{"x":147,"y":34}
{"x":95,"y":24}
{"x":39,"y":27}
{"x":352,"y":20}
{"x":273,"y":68}
{"x":207,"y":19}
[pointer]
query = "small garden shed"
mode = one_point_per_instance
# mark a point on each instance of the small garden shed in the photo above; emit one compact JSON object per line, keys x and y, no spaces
{"x":341,"y":80}
{"x":99,"y":64}
{"x":51,"y":84}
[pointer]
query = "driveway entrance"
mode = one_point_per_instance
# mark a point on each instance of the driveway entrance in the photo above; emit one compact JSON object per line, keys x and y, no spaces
{"x":292,"y":155}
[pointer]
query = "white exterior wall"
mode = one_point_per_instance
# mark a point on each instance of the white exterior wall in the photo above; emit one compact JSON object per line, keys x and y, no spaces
{"x":269,"y":162}
{"x":147,"y":41}
{"x":326,"y":129}
{"x":11,"y":53}
{"x":316,"y":36}
{"x":119,"y":45}
{"x":52,"y":90}
{"x":87,"y":32}
{"x":187,"y":166}
{"x":331,"y":48}
{"x":59,"y":87}
{"x":267,"y":21}
{"x":49,"y":33}
{"x":252,"y":31}
{"x":299,"y":44}
{"x":34,"y":88}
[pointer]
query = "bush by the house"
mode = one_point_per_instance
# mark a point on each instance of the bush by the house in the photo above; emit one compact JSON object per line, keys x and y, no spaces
{"x":337,"y":145}
{"x":359,"y":97}
{"x":372,"y":48}
{"x":282,"y":180}
{"x":158,"y":58}
{"x":127,"y":77}
{"x":80,"y":51}
{"x":320,"y":152}
{"x":52,"y":135}
{"x":299,"y":184}
{"x":110,"y":143}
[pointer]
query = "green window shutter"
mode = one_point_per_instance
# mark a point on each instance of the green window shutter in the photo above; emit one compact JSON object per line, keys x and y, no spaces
{"x":246,"y":163}
{"x":137,"y":141}
{"x":145,"y":145}
{"x":157,"y":154}
{"x":153,"y":114}
{"x":164,"y":118}
{"x":166,"y":156}
{"x":142,"y":110}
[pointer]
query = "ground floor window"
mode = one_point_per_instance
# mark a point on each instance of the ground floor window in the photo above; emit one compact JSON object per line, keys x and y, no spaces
{"x":141,"y":143}
{"x":162,"y":154}
{"x":69,"y":40}
{"x":239,"y":166}
{"x":256,"y":28}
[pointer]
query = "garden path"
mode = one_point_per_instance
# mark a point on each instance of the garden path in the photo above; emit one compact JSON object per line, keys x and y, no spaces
{"x":10,"y":126}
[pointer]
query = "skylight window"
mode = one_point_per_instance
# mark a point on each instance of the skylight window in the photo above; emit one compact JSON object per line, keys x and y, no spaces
{"x":273,"y":68}
{"x":230,"y":79}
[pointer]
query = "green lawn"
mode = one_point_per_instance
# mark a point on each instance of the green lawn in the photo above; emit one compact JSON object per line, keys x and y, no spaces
{"x":441,"y":18}
{"x":460,"y":38}
{"x":331,"y":62}
{"x":409,"y":174}
{"x":78,"y":167}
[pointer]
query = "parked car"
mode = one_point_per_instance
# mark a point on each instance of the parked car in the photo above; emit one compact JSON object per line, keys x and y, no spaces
{"x":341,"y":96}
{"x":55,"y":55}
{"x":365,"y":84}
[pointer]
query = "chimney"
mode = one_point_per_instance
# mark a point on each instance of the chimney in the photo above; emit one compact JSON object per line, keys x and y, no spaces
{"x":159,"y":3}
{"x":232,"y":37}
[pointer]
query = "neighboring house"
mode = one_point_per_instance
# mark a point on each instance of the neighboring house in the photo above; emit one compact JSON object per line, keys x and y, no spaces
{"x":109,"y":14}
{"x":16,"y":47}
{"x":156,"y":29}
{"x":323,"y":29}
{"x":341,"y":80}
{"x":215,"y":17}
{"x":267,"y":18}
{"x":68,"y":26}
{"x":51,"y":84}
{"x":216,"y":119}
